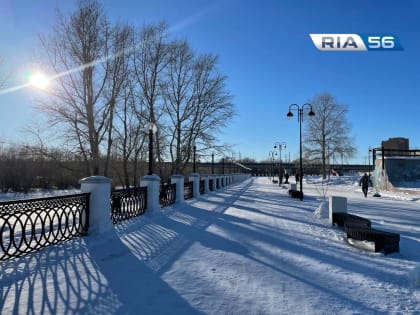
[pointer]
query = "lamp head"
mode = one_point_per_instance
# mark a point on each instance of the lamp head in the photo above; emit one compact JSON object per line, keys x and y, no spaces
{"x":151,"y":127}
{"x":289,"y":114}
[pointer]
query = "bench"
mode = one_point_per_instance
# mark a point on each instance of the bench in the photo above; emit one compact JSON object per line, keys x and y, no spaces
{"x":359,"y":229}
{"x":295,"y":193}
{"x":387,"y":242}
{"x":340,"y":218}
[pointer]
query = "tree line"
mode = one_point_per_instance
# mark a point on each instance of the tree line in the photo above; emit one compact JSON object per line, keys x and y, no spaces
{"x":111,"y":80}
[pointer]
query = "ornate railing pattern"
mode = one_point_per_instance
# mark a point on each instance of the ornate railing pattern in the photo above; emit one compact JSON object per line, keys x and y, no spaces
{"x":202,"y":189}
{"x":167,"y":194}
{"x":128,"y":203}
{"x":188,"y":190}
{"x":31,"y":224}
{"x":211,"y":184}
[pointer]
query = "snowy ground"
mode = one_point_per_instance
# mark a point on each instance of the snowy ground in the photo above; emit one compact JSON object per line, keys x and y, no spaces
{"x":248,"y":249}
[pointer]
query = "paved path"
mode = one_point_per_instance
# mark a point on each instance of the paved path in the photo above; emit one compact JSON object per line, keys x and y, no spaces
{"x":248,"y":249}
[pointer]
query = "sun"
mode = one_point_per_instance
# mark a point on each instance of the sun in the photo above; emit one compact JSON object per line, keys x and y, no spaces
{"x":39,"y":80}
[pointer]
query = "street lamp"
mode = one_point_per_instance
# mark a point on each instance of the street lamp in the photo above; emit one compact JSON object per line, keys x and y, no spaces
{"x":280,"y":145}
{"x":271,"y":157}
{"x":194,"y":152}
{"x":300,"y":120}
{"x":152,"y":129}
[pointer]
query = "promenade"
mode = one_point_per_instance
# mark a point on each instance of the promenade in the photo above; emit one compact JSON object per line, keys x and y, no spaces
{"x":246,"y":249}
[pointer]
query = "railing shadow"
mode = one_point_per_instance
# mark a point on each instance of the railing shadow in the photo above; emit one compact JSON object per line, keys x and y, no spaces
{"x":84,"y":276}
{"x":58,"y":279}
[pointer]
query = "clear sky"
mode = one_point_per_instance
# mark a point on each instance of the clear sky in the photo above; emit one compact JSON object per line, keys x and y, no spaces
{"x":266,"y":51}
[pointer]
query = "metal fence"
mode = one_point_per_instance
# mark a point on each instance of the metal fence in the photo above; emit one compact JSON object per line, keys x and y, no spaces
{"x":128,"y":203}
{"x":31,"y":224}
{"x":167,"y":194}
{"x":188,"y":190}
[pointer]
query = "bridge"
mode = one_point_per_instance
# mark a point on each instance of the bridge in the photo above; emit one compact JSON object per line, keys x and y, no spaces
{"x":268,"y":169}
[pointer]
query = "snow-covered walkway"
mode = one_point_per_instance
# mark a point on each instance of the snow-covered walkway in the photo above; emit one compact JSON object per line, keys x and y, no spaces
{"x":248,"y":249}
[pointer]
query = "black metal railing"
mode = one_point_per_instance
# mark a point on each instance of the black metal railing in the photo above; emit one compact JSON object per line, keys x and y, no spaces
{"x":211,"y":184}
{"x":167,"y":194}
{"x":217,"y":183}
{"x":31,"y":224}
{"x":202,"y":189}
{"x":188,"y":190}
{"x":128,"y":203}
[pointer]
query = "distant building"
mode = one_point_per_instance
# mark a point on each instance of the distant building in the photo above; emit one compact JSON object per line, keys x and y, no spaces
{"x":396,"y":146}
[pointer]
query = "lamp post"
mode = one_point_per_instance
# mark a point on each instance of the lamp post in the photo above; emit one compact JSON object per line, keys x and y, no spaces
{"x":300,"y":120}
{"x":271,"y":155}
{"x":194,"y":158}
{"x":370,"y":150}
{"x":152,"y":129}
{"x":280,"y":145}
{"x":212,"y":163}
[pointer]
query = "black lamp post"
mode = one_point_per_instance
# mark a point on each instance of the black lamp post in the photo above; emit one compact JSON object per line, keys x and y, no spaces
{"x":212,"y":163}
{"x":280,"y":145}
{"x":271,"y":155}
{"x":300,"y":120}
{"x":370,"y":150}
{"x":194,"y":151}
{"x":223,"y":166}
{"x":151,"y":128}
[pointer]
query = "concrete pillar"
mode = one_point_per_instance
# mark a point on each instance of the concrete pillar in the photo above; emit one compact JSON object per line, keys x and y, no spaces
{"x":178,"y":180}
{"x":195,"y":178}
{"x":99,"y":188}
{"x":152,"y":182}
{"x":213,"y":177}
{"x":206,"y":184}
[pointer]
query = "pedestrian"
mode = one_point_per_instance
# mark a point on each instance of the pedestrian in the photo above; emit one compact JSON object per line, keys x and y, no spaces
{"x":286,"y":176}
{"x":364,"y":182}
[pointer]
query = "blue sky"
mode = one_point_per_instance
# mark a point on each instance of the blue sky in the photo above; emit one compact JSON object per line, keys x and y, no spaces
{"x":265,"y":49}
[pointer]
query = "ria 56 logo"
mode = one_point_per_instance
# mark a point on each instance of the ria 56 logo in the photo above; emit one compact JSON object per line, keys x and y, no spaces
{"x":355,"y":42}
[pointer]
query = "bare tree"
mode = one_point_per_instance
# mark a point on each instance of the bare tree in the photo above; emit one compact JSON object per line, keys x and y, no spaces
{"x":76,"y":53}
{"x":118,"y":78}
{"x":179,"y":100}
{"x":150,"y":60}
{"x":196,"y":103}
{"x":129,"y":134}
{"x":327,"y":133}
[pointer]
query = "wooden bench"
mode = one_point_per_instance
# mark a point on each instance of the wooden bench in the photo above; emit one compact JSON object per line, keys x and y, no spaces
{"x":359,"y":229}
{"x":295,"y":193}
{"x":384,"y":241}
{"x":340,"y":218}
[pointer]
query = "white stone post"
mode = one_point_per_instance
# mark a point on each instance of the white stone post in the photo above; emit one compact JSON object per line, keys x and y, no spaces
{"x":213,"y":177}
{"x":336,"y":205}
{"x":195,"y":178}
{"x":206,"y":184}
{"x":152,"y":182}
{"x":99,"y":188}
{"x":178,"y":180}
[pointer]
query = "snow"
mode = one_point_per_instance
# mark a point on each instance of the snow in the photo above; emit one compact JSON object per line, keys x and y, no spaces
{"x":246,"y":249}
